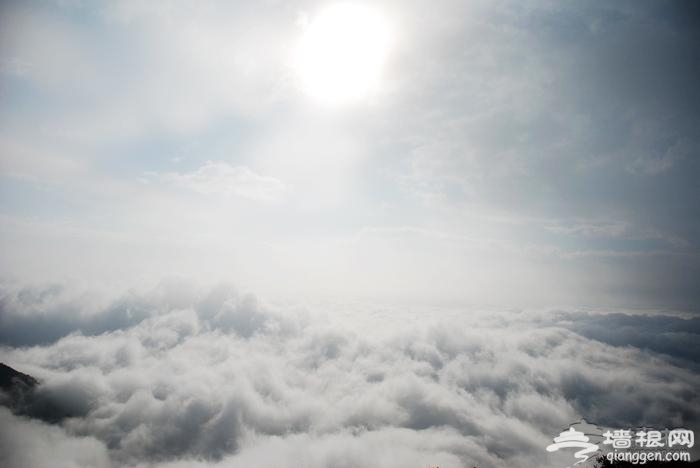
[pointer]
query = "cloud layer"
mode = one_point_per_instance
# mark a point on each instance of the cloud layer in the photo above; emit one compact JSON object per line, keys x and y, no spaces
{"x":180,"y":376}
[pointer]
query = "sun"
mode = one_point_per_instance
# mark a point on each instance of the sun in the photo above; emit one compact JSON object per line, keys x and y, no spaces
{"x":341,"y":54}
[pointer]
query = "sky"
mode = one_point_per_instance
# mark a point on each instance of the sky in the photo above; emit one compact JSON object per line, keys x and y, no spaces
{"x":512,"y":153}
{"x":392,"y":233}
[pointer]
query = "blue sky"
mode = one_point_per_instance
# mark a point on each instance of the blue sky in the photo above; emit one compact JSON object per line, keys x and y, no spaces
{"x":514,"y":153}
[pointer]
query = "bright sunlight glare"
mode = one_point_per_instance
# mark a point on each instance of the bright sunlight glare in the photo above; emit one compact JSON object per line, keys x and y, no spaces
{"x":341,"y":53}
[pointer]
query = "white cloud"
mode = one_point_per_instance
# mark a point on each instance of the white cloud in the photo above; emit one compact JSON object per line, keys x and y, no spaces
{"x":31,"y":444}
{"x":181,"y":375}
{"x":221,"y":178}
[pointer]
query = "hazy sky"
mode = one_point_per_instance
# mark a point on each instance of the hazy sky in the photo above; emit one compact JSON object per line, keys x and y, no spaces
{"x":512,"y":152}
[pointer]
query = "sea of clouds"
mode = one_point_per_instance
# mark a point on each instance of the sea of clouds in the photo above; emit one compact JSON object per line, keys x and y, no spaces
{"x":182,"y":375}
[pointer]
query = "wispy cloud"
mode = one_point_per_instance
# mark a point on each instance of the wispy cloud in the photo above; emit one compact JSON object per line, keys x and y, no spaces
{"x":221,"y":178}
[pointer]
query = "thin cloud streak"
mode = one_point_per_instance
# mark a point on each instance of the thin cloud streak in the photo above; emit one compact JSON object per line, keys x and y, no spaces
{"x":221,"y":178}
